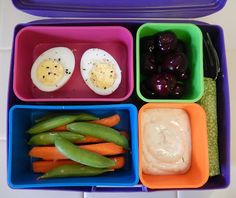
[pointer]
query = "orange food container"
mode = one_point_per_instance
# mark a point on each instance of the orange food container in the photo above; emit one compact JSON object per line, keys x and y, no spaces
{"x":198,"y":173}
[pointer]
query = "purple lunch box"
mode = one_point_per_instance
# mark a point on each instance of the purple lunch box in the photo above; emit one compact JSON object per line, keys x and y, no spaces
{"x":140,"y":9}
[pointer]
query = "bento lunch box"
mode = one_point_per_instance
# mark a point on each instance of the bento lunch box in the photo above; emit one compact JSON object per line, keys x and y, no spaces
{"x":220,"y":181}
{"x":122,"y":32}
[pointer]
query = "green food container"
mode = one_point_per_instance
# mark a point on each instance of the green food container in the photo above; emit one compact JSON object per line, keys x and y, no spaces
{"x":191,"y":35}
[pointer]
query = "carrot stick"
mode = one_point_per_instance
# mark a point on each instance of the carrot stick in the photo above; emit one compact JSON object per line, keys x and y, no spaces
{"x":110,"y":121}
{"x":51,"y":153}
{"x":107,"y":148}
{"x":90,"y":139}
{"x":60,"y":128}
{"x":45,"y":166}
{"x":120,"y":162}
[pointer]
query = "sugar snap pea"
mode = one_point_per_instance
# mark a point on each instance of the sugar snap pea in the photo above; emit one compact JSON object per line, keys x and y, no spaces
{"x":45,"y":117}
{"x":74,"y":171}
{"x":99,"y":131}
{"x":48,"y":138}
{"x":59,"y":120}
{"x":86,"y":117}
{"x":83,"y":117}
{"x":82,"y":156}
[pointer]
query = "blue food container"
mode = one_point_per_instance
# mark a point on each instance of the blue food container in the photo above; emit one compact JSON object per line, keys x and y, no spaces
{"x":20,"y":172}
{"x":139,"y":9}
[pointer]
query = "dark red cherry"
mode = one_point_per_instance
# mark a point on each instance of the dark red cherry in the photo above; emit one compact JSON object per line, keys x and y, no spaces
{"x":170,"y":79}
{"x":175,"y":63}
{"x":183,"y":76}
{"x":146,"y":92}
{"x":148,"y":44}
{"x":148,"y":63}
{"x":166,"y":41}
{"x":159,"y":85}
{"x":178,"y":91}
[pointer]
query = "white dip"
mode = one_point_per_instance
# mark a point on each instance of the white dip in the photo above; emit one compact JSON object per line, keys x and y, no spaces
{"x":166,"y":141}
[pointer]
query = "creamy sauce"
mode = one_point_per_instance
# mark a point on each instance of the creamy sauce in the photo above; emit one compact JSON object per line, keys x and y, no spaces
{"x":166,"y":141}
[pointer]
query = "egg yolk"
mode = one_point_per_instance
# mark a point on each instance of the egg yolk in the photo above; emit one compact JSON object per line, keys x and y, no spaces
{"x":50,"y":72}
{"x":102,"y":75}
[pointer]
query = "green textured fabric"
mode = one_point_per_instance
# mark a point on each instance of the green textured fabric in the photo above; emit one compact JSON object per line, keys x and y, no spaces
{"x":208,"y":102}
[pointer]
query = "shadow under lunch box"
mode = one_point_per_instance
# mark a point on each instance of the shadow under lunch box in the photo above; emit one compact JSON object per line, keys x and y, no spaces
{"x":90,"y":11}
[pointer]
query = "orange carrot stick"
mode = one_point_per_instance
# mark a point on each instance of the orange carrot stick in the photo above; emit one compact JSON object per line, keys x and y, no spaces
{"x":120,"y":162}
{"x":60,"y":128}
{"x":51,"y":153}
{"x":110,"y":121}
{"x":107,"y":148}
{"x":45,"y":166}
{"x":90,"y":139}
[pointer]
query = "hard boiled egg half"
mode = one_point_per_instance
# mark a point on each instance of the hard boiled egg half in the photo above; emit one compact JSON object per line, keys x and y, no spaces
{"x":53,"y":68}
{"x":100,"y":71}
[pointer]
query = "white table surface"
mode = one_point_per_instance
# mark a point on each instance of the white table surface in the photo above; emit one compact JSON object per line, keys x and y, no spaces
{"x":9,"y":17}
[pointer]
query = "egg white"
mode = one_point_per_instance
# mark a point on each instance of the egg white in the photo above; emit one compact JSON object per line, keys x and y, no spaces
{"x":95,"y":56}
{"x":66,"y":59}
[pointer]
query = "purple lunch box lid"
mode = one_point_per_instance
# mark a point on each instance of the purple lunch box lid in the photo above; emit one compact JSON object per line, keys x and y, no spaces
{"x":217,"y":182}
{"x":120,"y":9}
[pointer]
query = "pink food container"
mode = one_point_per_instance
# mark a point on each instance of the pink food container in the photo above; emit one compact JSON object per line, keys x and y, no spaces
{"x":32,"y":41}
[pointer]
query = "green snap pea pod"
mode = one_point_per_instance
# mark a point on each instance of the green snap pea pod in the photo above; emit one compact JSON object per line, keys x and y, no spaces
{"x":83,"y":117}
{"x":45,"y":117}
{"x":99,"y":131}
{"x":57,"y":121}
{"x":82,"y":156}
{"x":48,"y":138}
{"x":74,"y":171}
